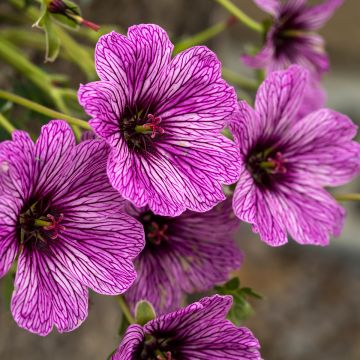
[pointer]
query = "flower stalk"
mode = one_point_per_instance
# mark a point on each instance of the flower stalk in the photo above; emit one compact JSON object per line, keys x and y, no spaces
{"x":347,"y":197}
{"x":6,"y":124}
{"x":125,"y":310}
{"x":43,"y":109}
{"x":241,"y":16}
{"x":204,"y":35}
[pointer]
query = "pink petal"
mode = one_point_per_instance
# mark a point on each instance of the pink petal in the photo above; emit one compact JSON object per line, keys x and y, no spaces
{"x":279,"y":98}
{"x":316,"y":16}
{"x":146,"y":180}
{"x":191,"y":94}
{"x":321,"y":146}
{"x":9,"y":244}
{"x":270,"y":6}
{"x":52,"y":149}
{"x":134,"y":62}
{"x":310,"y":214}
{"x":105,"y":102}
{"x":45,"y":296}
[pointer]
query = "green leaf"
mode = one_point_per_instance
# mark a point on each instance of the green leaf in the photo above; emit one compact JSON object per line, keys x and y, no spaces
{"x":232,"y":284}
{"x":144,"y":312}
{"x":241,"y":308}
{"x":51,"y":37}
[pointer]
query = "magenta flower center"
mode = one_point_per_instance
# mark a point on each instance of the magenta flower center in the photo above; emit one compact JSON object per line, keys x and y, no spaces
{"x":141,"y":130}
{"x":265,"y":165}
{"x":39,"y":225}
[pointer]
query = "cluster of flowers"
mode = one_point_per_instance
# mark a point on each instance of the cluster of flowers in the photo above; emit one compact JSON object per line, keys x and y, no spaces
{"x":138,"y":206}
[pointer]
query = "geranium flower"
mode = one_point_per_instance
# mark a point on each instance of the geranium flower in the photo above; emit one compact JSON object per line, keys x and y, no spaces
{"x":286,"y":162}
{"x":197,"y":332}
{"x":64,"y":221}
{"x":291,"y":38}
{"x":183,"y":255}
{"x":162,"y":118}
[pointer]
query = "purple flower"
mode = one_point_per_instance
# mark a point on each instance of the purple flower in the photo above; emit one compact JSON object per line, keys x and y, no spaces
{"x":197,"y":332}
{"x":286,"y":162}
{"x":291,"y":38}
{"x":65,"y":223}
{"x":184,"y":254}
{"x":162,"y":118}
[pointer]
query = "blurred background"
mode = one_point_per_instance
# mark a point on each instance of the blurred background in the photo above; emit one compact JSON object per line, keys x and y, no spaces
{"x":311,"y":307}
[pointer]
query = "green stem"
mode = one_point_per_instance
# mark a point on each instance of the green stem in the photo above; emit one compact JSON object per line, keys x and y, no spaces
{"x":236,"y":79}
{"x":240,"y":15}
{"x":202,"y":36}
{"x":6,"y":124}
{"x":347,"y":197}
{"x":125,"y":310}
{"x":43,"y":109}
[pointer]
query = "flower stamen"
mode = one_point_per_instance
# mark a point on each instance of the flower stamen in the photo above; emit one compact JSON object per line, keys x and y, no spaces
{"x":54,"y":225}
{"x":152,"y":125}
{"x":158,"y":233}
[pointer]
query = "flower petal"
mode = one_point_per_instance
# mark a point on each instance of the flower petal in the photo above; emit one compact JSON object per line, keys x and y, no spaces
{"x":146,"y":180}
{"x":264,"y":57}
{"x":191,"y":94}
{"x":52,"y":149}
{"x":321,"y":146}
{"x":9,"y":243}
{"x":193,"y":258}
{"x":45,"y":296}
{"x":310,"y":214}
{"x":279,"y":98}
{"x":204,"y":334}
{"x":99,"y":240}
{"x":133,"y":62}
{"x":316,"y":16}
{"x":270,"y":6}
{"x":205,"y":162}
{"x":246,"y":127}
{"x":105,"y":102}
{"x":17,"y":165}
{"x":129,"y":345}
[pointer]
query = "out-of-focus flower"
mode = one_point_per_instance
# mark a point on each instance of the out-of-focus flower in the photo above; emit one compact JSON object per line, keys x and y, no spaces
{"x":286,"y":162}
{"x":66,"y":224}
{"x":184,"y":254}
{"x":291,"y":39}
{"x":162,"y":118}
{"x":197,"y":332}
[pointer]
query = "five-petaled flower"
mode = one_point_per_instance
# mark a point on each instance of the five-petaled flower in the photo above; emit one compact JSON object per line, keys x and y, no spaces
{"x":185,"y":254}
{"x":162,"y":118}
{"x":286,"y":162}
{"x":197,"y":332}
{"x":291,"y":38}
{"x":66,"y":224}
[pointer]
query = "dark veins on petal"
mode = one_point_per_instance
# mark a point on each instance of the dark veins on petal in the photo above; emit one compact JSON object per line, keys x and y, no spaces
{"x":267,"y":164}
{"x":39,"y":224}
{"x":141,"y":128}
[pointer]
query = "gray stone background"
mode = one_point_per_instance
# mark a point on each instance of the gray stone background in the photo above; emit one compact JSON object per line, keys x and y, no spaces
{"x":311,"y":307}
